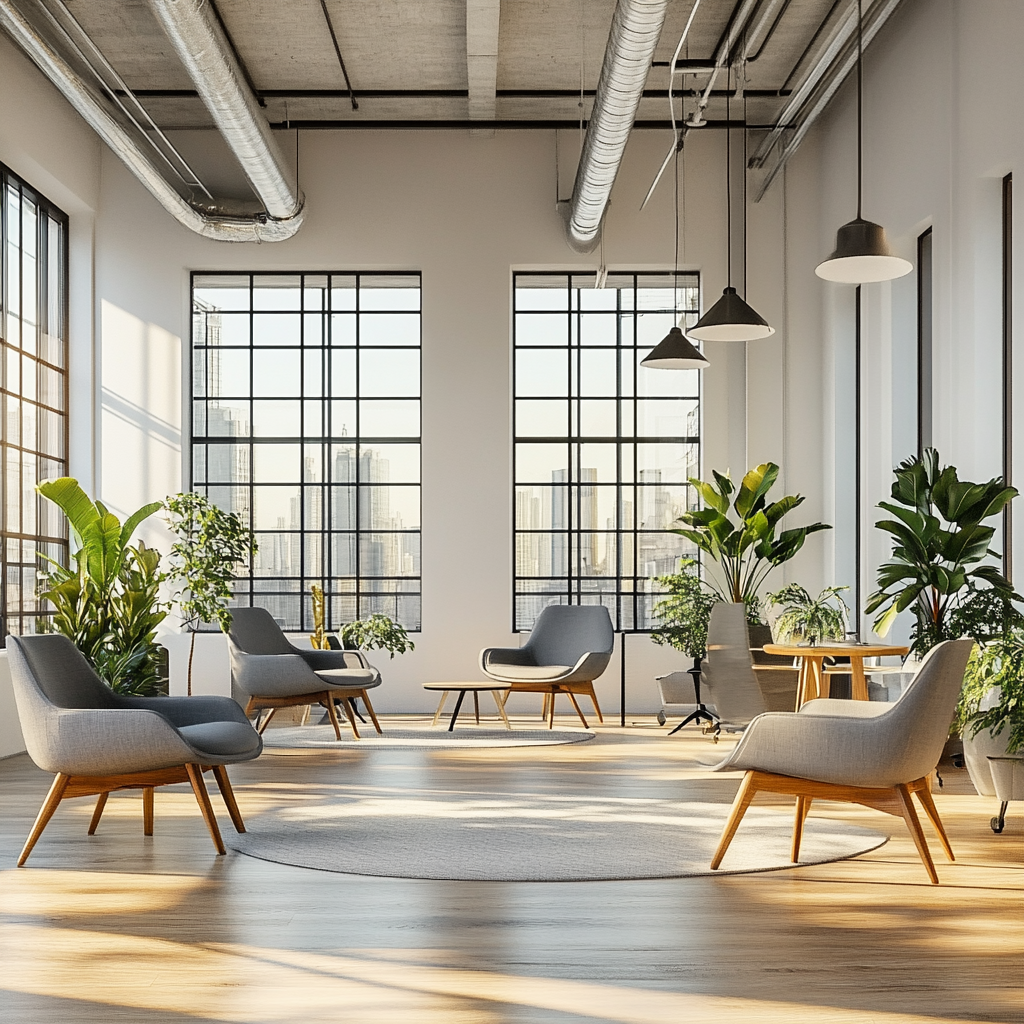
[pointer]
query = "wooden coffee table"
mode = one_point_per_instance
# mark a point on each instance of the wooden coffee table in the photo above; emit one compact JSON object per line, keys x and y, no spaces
{"x":813,"y":681}
{"x":475,"y":688}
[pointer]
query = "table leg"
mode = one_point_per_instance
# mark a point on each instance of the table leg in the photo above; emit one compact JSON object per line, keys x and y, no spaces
{"x":501,"y":709}
{"x":859,"y":684}
{"x":815,"y":677}
{"x":455,"y":713}
{"x":476,"y":706}
{"x":801,"y":684}
{"x":440,"y":707}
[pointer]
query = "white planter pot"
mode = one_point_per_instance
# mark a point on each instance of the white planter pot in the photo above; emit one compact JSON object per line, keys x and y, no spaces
{"x":1002,"y":778}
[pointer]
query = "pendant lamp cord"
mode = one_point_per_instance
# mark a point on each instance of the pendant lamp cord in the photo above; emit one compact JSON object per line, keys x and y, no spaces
{"x":675,"y":211}
{"x":860,"y":106}
{"x":728,"y":177}
{"x":744,"y":176}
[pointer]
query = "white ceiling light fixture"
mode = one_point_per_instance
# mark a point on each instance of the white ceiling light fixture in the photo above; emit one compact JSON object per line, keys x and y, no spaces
{"x":862,"y":254}
{"x":731,"y":318}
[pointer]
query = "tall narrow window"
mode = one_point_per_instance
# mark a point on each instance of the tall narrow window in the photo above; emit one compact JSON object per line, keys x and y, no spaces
{"x":924,"y":341}
{"x":306,"y":421}
{"x":603,"y":446}
{"x":1008,"y":369}
{"x":34,"y":339}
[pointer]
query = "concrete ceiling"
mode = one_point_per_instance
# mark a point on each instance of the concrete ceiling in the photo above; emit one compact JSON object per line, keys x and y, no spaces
{"x":446,"y":63}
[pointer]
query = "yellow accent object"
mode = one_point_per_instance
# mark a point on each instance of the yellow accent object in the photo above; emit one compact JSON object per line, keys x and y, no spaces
{"x":319,"y":637}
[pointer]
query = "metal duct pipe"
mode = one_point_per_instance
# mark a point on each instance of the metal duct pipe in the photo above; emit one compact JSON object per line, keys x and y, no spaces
{"x":836,"y":74}
{"x":736,"y":26}
{"x":206,"y":54}
{"x":91,"y":105}
{"x":636,"y":29}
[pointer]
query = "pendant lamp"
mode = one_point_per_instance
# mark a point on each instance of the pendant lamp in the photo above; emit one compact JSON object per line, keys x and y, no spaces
{"x":675,"y":351}
{"x":862,"y":254}
{"x":731,"y":318}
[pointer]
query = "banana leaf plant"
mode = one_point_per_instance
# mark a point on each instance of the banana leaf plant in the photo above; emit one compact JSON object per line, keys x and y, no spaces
{"x":746,"y":550}
{"x":937,"y":537}
{"x":107,"y":601}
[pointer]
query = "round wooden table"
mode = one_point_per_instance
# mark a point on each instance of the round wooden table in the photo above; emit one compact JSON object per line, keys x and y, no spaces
{"x":812,"y":680}
{"x":475,"y":688}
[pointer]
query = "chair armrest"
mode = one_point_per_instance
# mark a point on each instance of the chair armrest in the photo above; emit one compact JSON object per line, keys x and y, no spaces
{"x":111,"y":741}
{"x":190,"y":710}
{"x":320,"y":660}
{"x":588,"y":668}
{"x":826,"y":748}
{"x":505,"y":656}
{"x":273,"y":675}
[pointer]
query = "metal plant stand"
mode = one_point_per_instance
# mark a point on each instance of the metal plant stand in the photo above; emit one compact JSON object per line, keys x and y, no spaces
{"x":700,"y":713}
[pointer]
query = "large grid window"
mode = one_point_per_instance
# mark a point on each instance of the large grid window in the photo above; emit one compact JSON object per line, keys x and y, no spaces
{"x":34,"y":342}
{"x":603,"y":445}
{"x":306,"y":422}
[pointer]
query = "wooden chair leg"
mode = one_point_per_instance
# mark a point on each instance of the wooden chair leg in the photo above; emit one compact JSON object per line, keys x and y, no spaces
{"x":262,"y":727}
{"x":545,"y":707}
{"x":50,"y":804}
{"x":739,"y":807}
{"x":803,"y":806}
{"x":575,"y":704}
{"x":928,"y":803}
{"x":195,"y":776}
{"x":917,"y":833}
{"x":332,"y":714}
{"x":440,"y":707}
{"x":496,"y":694}
{"x":370,"y":712}
{"x":550,"y":708}
{"x":147,"y":810}
{"x":597,"y":707}
{"x":220,"y":773}
{"x":476,"y":706}
{"x":94,"y":821}
{"x":350,"y":712}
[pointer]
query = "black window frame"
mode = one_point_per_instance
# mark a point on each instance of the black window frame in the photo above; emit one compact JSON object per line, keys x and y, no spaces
{"x":349,"y":596}
{"x":631,"y":601}
{"x":22,"y":550}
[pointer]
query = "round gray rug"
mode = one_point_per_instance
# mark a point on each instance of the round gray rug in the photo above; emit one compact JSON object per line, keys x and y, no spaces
{"x":400,"y":737}
{"x":450,"y":834}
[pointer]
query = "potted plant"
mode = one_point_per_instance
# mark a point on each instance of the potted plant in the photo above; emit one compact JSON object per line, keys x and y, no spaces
{"x":107,"y":601}
{"x":209,"y":547}
{"x":684,"y":612}
{"x":377,"y":633}
{"x":747,"y":550}
{"x":938,"y":538}
{"x":990,"y":718}
{"x":808,"y":619}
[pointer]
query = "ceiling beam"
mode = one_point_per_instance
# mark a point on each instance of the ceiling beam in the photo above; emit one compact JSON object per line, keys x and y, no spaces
{"x":482,"y":19}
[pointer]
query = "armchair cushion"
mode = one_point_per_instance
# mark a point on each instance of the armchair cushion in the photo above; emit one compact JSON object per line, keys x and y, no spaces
{"x":222,"y":739}
{"x":348,"y":678}
{"x":509,"y":672}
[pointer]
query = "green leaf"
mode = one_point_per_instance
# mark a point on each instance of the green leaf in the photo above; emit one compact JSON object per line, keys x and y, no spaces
{"x":754,"y":486}
{"x":711,"y":497}
{"x":137,"y":517}
{"x":67,"y":494}
{"x":884,"y":622}
{"x":724,"y":482}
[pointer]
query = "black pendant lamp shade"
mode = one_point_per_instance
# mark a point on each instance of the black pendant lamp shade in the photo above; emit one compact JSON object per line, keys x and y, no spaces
{"x":862,"y":256}
{"x":674,"y":352}
{"x":731,"y":319}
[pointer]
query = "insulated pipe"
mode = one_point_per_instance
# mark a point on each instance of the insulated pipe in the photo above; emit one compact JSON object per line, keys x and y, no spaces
{"x":636,"y":29}
{"x":78,"y":92}
{"x":203,"y":49}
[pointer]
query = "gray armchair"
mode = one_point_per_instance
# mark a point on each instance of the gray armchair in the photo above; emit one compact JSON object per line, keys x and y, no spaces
{"x":96,"y":741}
{"x":271,"y":673}
{"x":728,"y":671}
{"x":863,"y":752}
{"x":569,"y":647}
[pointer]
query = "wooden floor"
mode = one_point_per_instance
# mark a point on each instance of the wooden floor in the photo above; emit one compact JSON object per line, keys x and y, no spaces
{"x":119,"y":927}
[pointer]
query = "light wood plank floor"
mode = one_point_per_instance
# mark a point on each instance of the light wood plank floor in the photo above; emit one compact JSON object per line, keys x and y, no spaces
{"x":124,"y":928}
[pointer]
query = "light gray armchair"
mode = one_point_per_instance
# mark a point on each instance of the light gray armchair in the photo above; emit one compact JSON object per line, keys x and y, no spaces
{"x":569,"y":647}
{"x":272,"y":673}
{"x":96,"y":741}
{"x":862,"y":752}
{"x":728,"y":670}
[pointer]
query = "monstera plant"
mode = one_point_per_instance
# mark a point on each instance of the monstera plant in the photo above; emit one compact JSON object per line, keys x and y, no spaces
{"x":746,"y":549}
{"x":939,"y":547}
{"x":106,"y":602}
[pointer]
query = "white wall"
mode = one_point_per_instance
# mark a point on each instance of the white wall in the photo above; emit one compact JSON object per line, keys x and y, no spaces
{"x":465,"y":211}
{"x":943,"y":101}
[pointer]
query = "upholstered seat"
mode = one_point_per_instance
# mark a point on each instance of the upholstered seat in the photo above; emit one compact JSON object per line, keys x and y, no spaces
{"x":96,"y":741}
